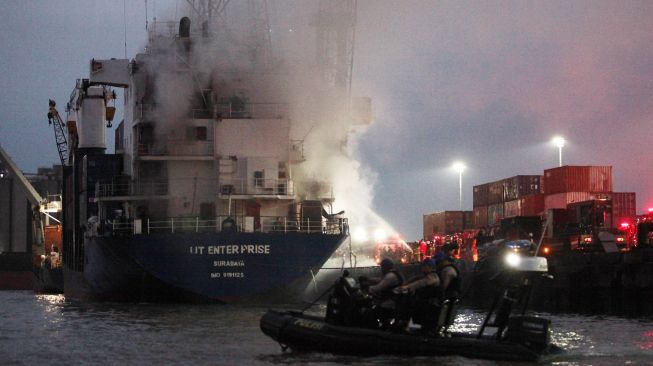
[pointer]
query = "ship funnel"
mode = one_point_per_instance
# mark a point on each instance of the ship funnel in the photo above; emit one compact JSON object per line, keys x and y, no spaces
{"x":184,"y":27}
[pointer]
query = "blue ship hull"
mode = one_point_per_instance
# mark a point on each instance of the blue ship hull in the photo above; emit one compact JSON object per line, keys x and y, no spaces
{"x":221,"y":267}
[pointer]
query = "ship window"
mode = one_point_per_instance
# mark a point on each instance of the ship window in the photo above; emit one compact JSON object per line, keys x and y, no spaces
{"x":146,"y":134}
{"x":196,"y":133}
{"x":258,"y":178}
{"x":200,"y":133}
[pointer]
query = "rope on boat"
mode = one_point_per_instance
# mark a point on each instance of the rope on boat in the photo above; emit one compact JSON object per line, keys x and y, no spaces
{"x":314,"y":280}
{"x":353,"y":268}
{"x":284,"y":347}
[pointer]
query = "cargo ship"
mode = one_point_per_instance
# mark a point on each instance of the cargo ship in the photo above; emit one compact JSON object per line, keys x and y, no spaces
{"x":206,"y":197}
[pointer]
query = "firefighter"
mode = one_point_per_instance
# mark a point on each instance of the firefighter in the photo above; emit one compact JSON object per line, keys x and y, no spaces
{"x":422,"y":250}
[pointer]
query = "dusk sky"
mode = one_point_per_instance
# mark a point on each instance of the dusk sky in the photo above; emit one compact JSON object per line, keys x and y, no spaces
{"x":488,"y":83}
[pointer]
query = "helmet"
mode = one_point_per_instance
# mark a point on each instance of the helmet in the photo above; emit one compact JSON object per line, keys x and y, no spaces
{"x":428,"y":262}
{"x":448,"y":247}
{"x":440,"y":256}
{"x":387,"y":264}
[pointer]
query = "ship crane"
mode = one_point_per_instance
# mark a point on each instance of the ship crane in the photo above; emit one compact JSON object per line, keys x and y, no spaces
{"x":57,"y":124}
{"x":28,"y":190}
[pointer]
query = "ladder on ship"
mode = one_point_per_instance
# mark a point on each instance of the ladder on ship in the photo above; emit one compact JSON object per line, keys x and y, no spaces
{"x":57,"y":124}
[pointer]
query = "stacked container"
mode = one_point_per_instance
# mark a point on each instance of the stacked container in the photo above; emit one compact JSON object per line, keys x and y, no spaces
{"x":507,"y":198}
{"x":597,"y":179}
{"x":446,"y":223}
{"x":623,"y":208}
{"x":533,"y":195}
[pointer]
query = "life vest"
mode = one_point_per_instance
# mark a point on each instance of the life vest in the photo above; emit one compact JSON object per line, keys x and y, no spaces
{"x":429,"y":292}
{"x":387,"y":293}
{"x":454,"y":288}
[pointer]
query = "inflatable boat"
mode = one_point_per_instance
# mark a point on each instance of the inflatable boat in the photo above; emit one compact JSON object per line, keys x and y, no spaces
{"x":516,"y":337}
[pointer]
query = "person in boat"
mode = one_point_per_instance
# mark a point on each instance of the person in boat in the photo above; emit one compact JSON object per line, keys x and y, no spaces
{"x":382,"y":291}
{"x":449,"y":277}
{"x":421,"y":299}
{"x":450,"y":291}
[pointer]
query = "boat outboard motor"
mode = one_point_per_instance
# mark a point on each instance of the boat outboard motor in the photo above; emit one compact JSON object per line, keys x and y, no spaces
{"x":346,"y":303}
{"x":530,"y":331}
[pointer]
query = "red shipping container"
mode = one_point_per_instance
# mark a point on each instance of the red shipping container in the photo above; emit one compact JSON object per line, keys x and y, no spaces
{"x":495,"y":194}
{"x":561,"y":200}
{"x":578,"y":179}
{"x":623,"y":208}
{"x":469,"y":220}
{"x":480,"y":217}
{"x":443,"y":222}
{"x":512,"y":208}
{"x":481,"y":195}
{"x":520,"y":186}
{"x":532,"y":205}
{"x":494,"y":214}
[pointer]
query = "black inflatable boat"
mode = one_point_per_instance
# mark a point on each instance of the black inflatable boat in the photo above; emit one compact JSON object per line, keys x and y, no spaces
{"x":517,"y":338}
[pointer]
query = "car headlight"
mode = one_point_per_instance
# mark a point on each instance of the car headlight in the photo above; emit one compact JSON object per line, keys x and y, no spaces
{"x":513,"y":259}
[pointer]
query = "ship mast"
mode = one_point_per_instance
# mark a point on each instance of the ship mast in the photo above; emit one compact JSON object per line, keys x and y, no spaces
{"x":212,"y":16}
{"x":336,"y":30}
{"x":208,"y":10}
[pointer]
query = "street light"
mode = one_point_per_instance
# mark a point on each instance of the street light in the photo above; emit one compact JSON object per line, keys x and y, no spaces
{"x":559,"y":141}
{"x":460,"y":168}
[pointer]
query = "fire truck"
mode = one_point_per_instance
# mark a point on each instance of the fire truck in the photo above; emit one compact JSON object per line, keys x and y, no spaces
{"x":393,"y":248}
{"x":645,"y":229}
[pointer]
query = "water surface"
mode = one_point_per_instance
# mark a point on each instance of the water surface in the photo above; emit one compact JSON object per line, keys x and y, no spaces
{"x":48,"y":329}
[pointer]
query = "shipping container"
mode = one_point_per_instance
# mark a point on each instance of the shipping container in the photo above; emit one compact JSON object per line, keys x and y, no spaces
{"x":494,"y":214}
{"x":578,"y":179}
{"x":443,"y":223}
{"x":480,"y":217}
{"x":557,"y":222}
{"x":495,"y":192}
{"x":52,"y":238}
{"x":561,"y":200}
{"x":532,"y":205}
{"x":623,"y":208}
{"x":468,"y":220}
{"x":512,"y":208}
{"x":481,"y":195}
{"x":520,"y":186}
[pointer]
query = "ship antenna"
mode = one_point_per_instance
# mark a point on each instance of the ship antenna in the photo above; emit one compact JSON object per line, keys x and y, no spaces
{"x":146,"y":15}
{"x":124,"y":17}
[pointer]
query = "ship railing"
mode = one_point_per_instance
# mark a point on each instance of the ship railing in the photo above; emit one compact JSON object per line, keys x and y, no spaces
{"x":166,"y":29}
{"x":259,"y":186}
{"x":141,"y":110}
{"x":252,"y":110}
{"x":224,"y":110}
{"x":177,"y":147}
{"x":144,"y":188}
{"x":248,"y":224}
{"x":194,"y":148}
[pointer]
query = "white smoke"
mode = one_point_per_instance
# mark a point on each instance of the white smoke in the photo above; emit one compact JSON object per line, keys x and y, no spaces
{"x":319,"y":114}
